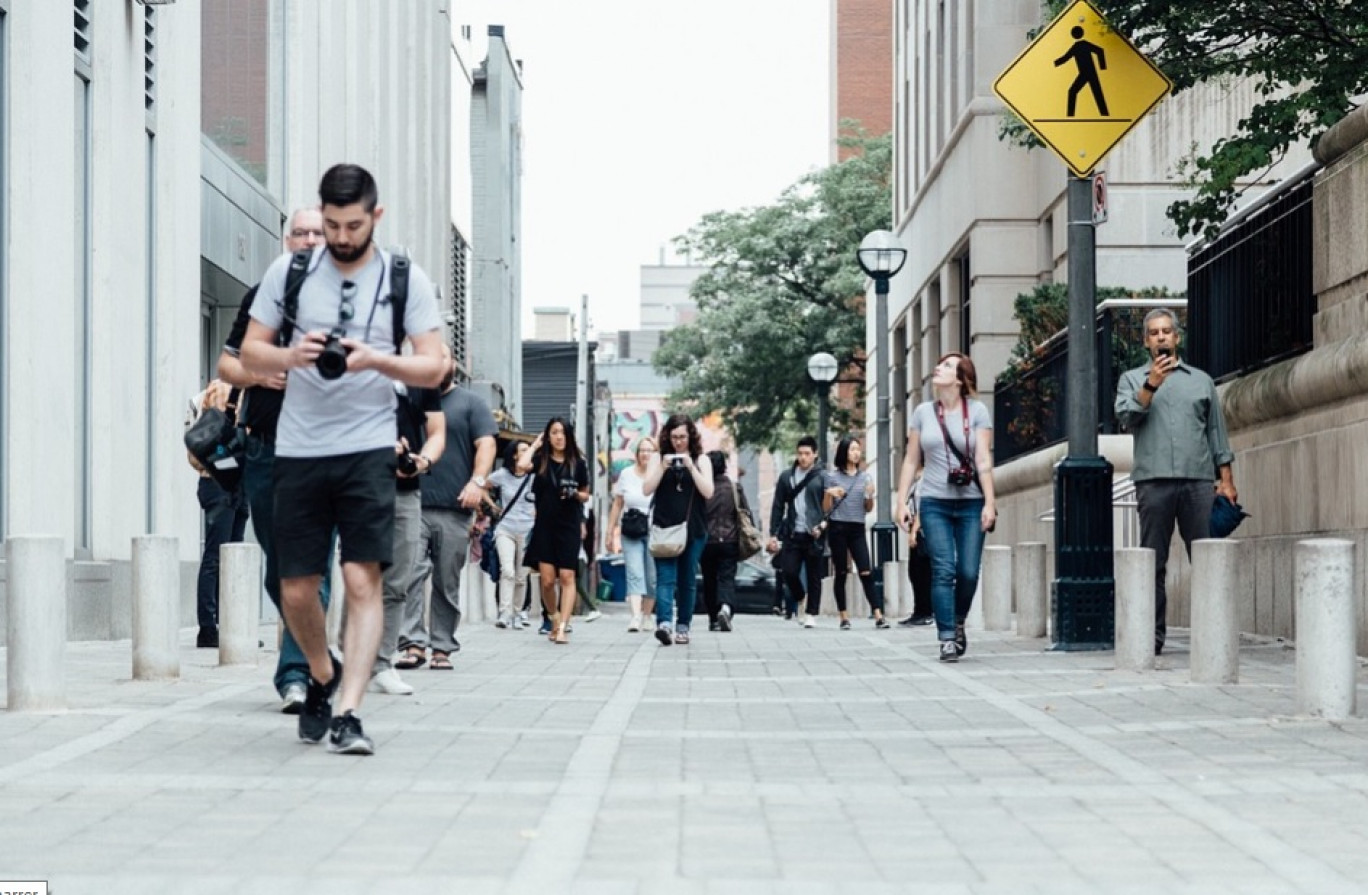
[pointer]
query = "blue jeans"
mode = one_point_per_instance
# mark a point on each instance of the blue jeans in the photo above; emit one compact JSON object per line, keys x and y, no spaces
{"x":225,"y":522}
{"x":678,"y":573}
{"x":954,"y":538}
{"x":258,"y":483}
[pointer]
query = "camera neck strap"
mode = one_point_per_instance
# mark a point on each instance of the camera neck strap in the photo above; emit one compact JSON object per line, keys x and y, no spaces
{"x":494,"y":521}
{"x":949,"y":442}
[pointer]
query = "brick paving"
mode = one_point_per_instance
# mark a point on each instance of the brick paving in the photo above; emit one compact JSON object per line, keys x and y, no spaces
{"x":770,"y":760}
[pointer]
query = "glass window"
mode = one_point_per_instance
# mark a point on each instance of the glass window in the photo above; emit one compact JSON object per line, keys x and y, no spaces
{"x":4,"y":242}
{"x":235,"y":74}
{"x":81,"y":335}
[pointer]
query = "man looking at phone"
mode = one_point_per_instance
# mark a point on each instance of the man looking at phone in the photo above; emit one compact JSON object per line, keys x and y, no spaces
{"x":1181,"y":448}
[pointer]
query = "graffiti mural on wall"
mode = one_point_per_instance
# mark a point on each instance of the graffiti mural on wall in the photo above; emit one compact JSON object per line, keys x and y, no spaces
{"x":635,"y":420}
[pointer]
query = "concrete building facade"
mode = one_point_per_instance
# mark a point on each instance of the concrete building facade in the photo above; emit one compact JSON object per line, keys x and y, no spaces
{"x":496,"y":265}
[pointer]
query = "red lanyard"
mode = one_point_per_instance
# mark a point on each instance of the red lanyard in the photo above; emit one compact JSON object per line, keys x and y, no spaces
{"x":940,"y":418}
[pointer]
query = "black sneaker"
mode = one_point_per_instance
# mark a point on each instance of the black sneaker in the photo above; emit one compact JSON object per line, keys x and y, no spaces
{"x":348,"y":738}
{"x":207,"y":638}
{"x":961,"y":641}
{"x":922,"y":620}
{"x":908,"y":622}
{"x":845,"y":624}
{"x":713,"y":626}
{"x":949,"y":652}
{"x":316,"y":714}
{"x":881,"y":622}
{"x":724,"y":618}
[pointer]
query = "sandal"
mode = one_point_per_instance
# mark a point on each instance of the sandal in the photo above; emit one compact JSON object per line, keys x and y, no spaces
{"x":440,"y":662}
{"x":558,"y":635}
{"x":414,"y":657}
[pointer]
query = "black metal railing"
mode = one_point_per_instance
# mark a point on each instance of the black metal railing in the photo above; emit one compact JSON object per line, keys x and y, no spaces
{"x":1029,"y":409}
{"x":1252,"y":299}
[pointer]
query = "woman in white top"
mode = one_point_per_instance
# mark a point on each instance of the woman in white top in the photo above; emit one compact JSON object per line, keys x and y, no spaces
{"x":517,"y":511}
{"x":952,"y":437}
{"x":629,"y":501}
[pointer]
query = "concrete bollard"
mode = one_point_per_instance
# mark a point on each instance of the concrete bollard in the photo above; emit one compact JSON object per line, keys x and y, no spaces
{"x":35,"y":661}
{"x":856,"y":604}
{"x":997,"y":588}
{"x":1217,"y":578}
{"x":156,"y":608}
{"x":1135,"y":609}
{"x":894,"y":580}
{"x":1327,"y":667}
{"x":239,"y":603}
{"x":1030,"y":589}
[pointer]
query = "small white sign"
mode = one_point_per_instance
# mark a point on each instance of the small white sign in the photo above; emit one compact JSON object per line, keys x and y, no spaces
{"x":1099,"y":197}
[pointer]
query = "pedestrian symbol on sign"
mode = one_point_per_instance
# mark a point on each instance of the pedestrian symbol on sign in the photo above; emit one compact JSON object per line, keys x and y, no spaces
{"x":1082,"y":53}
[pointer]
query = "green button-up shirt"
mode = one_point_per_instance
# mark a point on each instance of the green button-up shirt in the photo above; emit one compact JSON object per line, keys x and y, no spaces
{"x":1182,"y":434}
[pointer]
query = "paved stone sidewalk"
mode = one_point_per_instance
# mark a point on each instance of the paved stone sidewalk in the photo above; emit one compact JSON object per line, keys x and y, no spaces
{"x":769,"y":760}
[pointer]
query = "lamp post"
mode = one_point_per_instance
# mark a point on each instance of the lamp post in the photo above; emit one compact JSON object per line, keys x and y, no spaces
{"x":881,"y":257}
{"x":821,"y":369}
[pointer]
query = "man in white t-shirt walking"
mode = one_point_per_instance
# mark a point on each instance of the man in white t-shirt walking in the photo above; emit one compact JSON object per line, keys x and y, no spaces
{"x":335,"y":459}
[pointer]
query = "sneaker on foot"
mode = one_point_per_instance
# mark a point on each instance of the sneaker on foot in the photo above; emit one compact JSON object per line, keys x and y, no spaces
{"x":845,"y":624}
{"x":545,"y":626}
{"x":593,"y":615}
{"x":348,"y":738}
{"x":682,"y":634}
{"x":316,"y":713}
{"x":389,"y":681}
{"x":881,"y":622}
{"x":809,"y":621}
{"x":724,"y":618}
{"x":635,"y":624}
{"x":505,"y":620}
{"x":664,"y":634}
{"x":292,"y":698}
{"x":948,"y":651}
{"x":522,"y":618}
{"x":961,"y":641}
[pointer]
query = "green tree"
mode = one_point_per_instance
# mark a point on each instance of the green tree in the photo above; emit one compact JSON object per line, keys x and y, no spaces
{"x":1307,"y":58}
{"x":782,"y":283}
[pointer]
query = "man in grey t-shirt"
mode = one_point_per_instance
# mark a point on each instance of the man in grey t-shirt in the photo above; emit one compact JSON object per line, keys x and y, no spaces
{"x":335,"y":458}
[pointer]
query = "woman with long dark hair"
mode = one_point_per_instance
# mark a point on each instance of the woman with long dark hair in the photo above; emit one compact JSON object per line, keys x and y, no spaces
{"x":953,"y":437}
{"x":723,"y":550}
{"x":849,"y":495}
{"x":561,"y":488}
{"x":680,"y":478}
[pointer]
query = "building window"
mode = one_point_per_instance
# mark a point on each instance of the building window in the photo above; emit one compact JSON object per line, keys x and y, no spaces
{"x":4,"y":263}
{"x":459,"y":290}
{"x":966,"y":328}
{"x":235,"y":49}
{"x":81,"y":535}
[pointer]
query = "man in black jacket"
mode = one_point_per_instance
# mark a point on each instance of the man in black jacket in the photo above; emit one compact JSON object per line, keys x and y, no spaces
{"x":797,"y":530}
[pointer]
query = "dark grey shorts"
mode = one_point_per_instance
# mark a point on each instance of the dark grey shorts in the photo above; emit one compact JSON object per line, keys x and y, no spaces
{"x":350,"y":493}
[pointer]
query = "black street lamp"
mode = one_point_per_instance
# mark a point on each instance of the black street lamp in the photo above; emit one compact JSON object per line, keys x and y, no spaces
{"x":881,"y":257}
{"x":821,"y":369}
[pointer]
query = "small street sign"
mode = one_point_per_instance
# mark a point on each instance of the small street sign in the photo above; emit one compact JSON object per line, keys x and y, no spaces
{"x":1081,"y":87}
{"x":1099,"y":197}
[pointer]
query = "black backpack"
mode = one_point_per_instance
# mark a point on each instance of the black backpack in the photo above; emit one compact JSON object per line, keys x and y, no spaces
{"x":299,"y":271}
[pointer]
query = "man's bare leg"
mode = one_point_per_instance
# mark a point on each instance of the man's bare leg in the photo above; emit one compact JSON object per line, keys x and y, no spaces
{"x":365,"y":628}
{"x":307,"y":623}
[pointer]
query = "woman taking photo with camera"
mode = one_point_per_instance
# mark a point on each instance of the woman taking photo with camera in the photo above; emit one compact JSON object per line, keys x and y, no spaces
{"x":952,"y":437}
{"x":629,"y":524}
{"x":680,"y":480}
{"x":561,"y":488}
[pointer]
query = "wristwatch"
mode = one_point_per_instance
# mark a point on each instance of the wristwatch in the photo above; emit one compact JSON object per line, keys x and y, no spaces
{"x":479,"y":481}
{"x":1150,"y":387}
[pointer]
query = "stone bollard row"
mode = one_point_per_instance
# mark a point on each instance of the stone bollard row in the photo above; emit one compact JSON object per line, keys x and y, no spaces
{"x":894,"y":585}
{"x":156,"y":608}
{"x":239,"y":603}
{"x":1135,"y":609}
{"x":1327,"y":623}
{"x":1218,"y":581}
{"x":35,"y":660}
{"x":997,"y":588}
{"x":1030,"y":589}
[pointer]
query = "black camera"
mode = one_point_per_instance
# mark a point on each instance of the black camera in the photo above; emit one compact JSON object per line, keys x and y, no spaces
{"x":961,"y":477}
{"x":407,"y":463}
{"x":1166,"y":352}
{"x":332,"y":363}
{"x":568,"y":489}
{"x":676,"y":462}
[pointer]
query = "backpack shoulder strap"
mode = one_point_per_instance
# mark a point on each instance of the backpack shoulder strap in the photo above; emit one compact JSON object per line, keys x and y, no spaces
{"x":294,"y":281}
{"x":399,"y":280}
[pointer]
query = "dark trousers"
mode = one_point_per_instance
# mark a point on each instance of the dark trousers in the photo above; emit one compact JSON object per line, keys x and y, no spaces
{"x":847,"y":541}
{"x":802,"y":562}
{"x":919,"y":573}
{"x":1162,"y":503}
{"x":225,"y":522}
{"x":719,"y":576}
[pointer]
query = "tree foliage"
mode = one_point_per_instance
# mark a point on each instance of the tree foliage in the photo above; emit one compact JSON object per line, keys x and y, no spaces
{"x":1308,"y":60}
{"x":782,"y":284}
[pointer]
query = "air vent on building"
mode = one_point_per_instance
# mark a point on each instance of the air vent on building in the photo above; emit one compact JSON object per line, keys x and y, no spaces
{"x":82,"y":30}
{"x":149,"y":57}
{"x":460,"y":299}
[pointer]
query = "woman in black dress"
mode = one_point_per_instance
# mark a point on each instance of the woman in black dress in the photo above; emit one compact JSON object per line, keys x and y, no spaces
{"x":561,"y":488}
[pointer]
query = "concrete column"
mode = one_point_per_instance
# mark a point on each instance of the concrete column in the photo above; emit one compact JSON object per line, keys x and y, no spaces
{"x":1030,"y":589}
{"x":1216,"y":590}
{"x":35,"y":661}
{"x":895,"y":585}
{"x":239,"y":603}
{"x":1326,"y":626}
{"x":997,"y":588}
{"x":156,"y":608}
{"x":1135,"y":609}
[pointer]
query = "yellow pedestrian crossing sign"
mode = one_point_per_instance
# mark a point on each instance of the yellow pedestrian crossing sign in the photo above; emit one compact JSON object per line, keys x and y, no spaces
{"x":1081,"y":86}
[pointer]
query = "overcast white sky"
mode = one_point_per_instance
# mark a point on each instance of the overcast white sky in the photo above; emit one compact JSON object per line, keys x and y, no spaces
{"x":641,"y":116}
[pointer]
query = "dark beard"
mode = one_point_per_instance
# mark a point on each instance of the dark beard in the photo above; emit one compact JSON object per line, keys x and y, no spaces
{"x":354,"y":255}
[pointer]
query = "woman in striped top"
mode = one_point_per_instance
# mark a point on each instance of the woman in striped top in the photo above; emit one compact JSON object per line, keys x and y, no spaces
{"x":846,"y":482}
